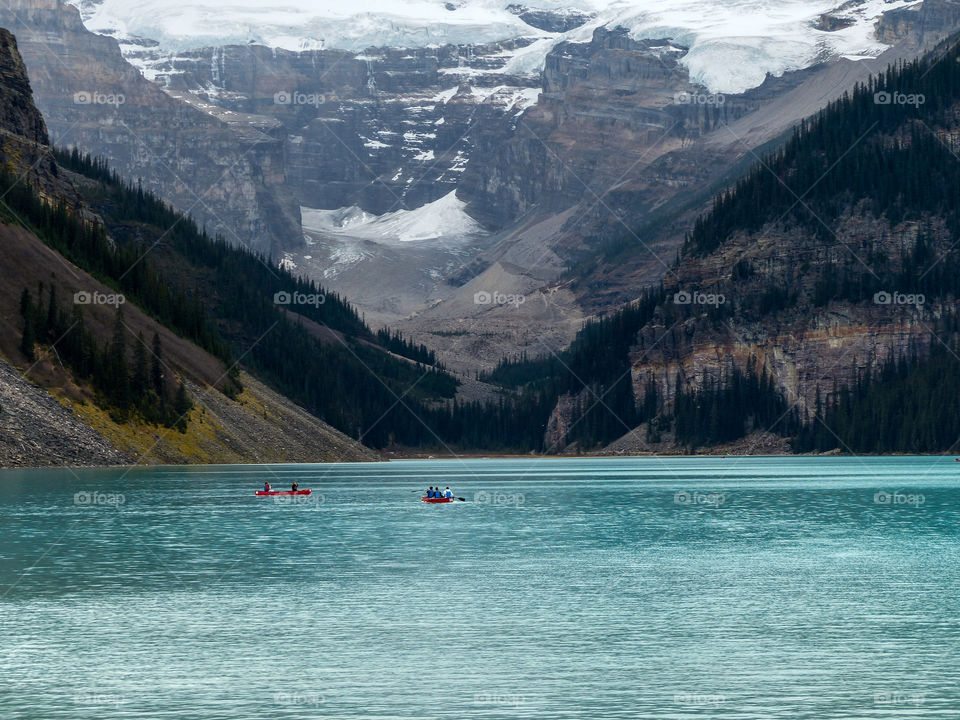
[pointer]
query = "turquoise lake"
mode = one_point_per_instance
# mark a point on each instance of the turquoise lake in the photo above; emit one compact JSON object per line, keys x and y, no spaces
{"x":824,"y":588}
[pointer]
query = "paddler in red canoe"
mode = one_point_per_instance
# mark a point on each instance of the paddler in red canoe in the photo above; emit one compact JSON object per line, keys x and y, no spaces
{"x":266,"y":486}
{"x":295,"y":486}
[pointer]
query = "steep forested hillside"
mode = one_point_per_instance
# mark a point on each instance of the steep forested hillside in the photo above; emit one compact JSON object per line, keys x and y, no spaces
{"x":808,"y":299}
{"x":233,"y":303}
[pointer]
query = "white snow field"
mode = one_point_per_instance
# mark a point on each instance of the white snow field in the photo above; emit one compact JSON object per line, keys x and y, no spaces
{"x":442,"y":220}
{"x":733,"y":43}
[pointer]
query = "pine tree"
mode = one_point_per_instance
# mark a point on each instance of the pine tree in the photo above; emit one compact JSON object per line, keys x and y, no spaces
{"x":53,"y":330}
{"x":140,"y":381}
{"x":156,"y":369}
{"x":182,"y":406}
{"x":117,"y":375}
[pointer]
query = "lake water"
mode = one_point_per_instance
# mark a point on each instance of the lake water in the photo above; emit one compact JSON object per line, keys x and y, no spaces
{"x":821,"y":588}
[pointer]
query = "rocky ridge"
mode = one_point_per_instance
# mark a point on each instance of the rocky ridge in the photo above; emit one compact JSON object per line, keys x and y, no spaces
{"x":228,"y":176}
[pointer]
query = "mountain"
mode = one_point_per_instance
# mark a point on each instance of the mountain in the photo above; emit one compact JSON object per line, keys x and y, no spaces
{"x":815,"y":301}
{"x":122,"y":325}
{"x":559,"y":125}
{"x":227,"y":174}
{"x":595,"y":189}
{"x":489,"y":188}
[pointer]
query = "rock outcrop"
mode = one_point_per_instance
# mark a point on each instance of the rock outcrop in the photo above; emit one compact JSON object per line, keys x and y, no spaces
{"x":18,"y":115}
{"x":384,"y":130}
{"x":807,"y":347}
{"x":24,"y":142}
{"x":229,"y":176}
{"x":608,"y":109}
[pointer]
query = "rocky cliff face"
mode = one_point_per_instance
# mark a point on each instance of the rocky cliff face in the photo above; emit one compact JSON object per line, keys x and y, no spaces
{"x":806,"y":347}
{"x":18,"y":115}
{"x":620,"y":136}
{"x":383,"y":130}
{"x":228,"y":175}
{"x":920,"y":22}
{"x":24,"y":141}
{"x":608,"y":108}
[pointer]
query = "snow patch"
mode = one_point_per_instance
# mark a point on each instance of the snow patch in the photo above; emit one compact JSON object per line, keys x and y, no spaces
{"x":444,"y":96}
{"x":444,"y":219}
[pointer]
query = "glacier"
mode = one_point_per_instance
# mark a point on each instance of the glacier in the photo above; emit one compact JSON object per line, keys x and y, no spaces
{"x":733,"y":44}
{"x":444,"y":220}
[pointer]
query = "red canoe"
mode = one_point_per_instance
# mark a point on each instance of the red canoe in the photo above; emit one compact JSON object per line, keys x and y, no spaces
{"x":282,"y":492}
{"x":437,"y":500}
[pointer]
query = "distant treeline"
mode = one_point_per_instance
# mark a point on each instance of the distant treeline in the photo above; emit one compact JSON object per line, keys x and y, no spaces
{"x":395,"y":343}
{"x":911,"y":405}
{"x":595,"y":369}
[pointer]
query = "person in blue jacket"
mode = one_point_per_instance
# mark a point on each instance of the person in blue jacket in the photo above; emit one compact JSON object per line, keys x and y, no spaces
{"x":448,"y":493}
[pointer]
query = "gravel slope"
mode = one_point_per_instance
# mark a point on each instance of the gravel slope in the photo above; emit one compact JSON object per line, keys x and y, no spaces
{"x":37,"y":431}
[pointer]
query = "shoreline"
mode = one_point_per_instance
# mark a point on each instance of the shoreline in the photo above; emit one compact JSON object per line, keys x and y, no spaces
{"x":481,"y":456}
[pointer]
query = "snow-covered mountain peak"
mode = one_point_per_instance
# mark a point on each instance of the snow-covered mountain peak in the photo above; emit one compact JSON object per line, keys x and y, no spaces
{"x":733,"y":43}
